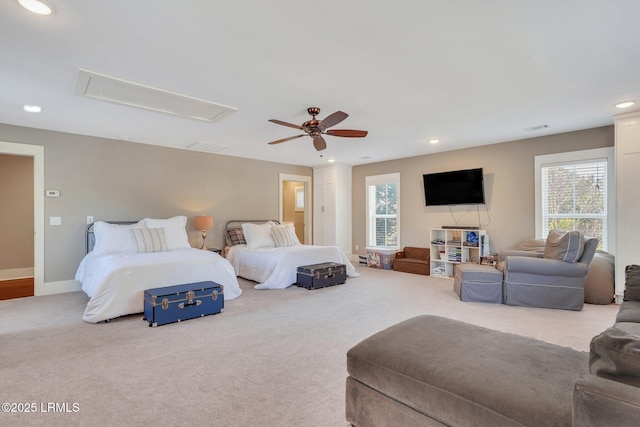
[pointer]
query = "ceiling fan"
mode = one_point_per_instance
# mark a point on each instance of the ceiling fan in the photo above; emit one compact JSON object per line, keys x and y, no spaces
{"x":316,"y":128}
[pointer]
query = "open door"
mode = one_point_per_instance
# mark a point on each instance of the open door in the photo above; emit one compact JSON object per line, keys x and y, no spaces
{"x":295,"y":204}
{"x":22,"y":272}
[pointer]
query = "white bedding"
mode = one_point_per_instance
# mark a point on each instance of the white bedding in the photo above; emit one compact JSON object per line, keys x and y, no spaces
{"x":116,"y":282}
{"x":276,"y":268}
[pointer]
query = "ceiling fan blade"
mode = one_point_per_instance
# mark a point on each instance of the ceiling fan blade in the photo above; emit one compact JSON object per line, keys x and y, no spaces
{"x":280,"y":122}
{"x":333,"y":119}
{"x":319,"y":142}
{"x":286,"y":139}
{"x":348,"y":133}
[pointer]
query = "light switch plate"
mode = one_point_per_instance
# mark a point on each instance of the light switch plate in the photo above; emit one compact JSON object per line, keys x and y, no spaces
{"x":55,"y":220}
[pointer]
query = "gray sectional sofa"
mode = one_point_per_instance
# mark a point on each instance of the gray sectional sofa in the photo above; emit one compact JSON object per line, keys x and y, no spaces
{"x":434,"y":371}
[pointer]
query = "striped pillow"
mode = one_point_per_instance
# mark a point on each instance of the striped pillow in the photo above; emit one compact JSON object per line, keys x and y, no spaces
{"x":150,"y":240}
{"x":284,"y":235}
{"x":564,"y":246}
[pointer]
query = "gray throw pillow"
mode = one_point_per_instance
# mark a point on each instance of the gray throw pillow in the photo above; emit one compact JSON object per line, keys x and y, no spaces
{"x":564,"y":246}
{"x":632,"y":282}
{"x":615,"y":355}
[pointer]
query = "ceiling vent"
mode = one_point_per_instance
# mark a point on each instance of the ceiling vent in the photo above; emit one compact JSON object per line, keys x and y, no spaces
{"x":107,"y":88}
{"x":205,"y":146}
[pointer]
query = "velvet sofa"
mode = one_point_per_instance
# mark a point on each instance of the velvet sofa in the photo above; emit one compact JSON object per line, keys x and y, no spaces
{"x":413,"y":260}
{"x":434,"y":371}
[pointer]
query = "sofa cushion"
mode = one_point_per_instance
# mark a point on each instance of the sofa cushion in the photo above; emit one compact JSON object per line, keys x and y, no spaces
{"x":564,"y":246}
{"x":462,"y":374}
{"x":629,"y":312}
{"x":615,"y":354}
{"x":632,"y":282}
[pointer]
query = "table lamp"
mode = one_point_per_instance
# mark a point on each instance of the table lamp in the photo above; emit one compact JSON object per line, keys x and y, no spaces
{"x":204,"y":223}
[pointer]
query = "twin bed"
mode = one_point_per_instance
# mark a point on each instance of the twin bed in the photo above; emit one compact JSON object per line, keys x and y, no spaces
{"x":126,"y":258}
{"x":273,"y":263}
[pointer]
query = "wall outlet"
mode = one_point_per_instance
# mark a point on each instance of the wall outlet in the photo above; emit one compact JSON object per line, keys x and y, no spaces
{"x":357,"y":247}
{"x":89,"y":219}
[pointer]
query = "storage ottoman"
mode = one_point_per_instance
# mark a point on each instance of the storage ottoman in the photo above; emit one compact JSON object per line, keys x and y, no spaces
{"x":478,"y":283}
{"x":321,"y":275}
{"x":181,"y":302}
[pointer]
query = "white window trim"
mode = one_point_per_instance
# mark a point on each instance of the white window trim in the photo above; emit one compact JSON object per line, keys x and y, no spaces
{"x":573,"y":157}
{"x":393,"y":178}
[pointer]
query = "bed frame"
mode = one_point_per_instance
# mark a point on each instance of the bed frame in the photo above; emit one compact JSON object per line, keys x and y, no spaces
{"x":90,"y":238}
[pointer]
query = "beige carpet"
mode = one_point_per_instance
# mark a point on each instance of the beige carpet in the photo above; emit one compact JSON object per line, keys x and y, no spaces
{"x":272,"y":358}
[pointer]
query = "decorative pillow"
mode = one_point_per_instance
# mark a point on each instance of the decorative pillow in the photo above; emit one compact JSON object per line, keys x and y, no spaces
{"x":235,"y":236}
{"x":175,"y":233}
{"x":632,"y":282}
{"x":114,"y":238}
{"x":564,"y":246}
{"x":284,"y":235}
{"x":150,"y":239}
{"x":615,"y":355}
{"x":258,"y":235}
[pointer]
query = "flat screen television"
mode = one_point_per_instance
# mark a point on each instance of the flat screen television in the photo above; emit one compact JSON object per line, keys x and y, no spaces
{"x":462,"y":187}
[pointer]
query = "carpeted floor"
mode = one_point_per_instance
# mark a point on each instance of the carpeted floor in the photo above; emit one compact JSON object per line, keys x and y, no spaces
{"x":272,"y":358}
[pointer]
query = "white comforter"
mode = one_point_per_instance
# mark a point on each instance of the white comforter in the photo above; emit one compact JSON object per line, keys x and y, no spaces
{"x":116,"y":282}
{"x":276,"y":268}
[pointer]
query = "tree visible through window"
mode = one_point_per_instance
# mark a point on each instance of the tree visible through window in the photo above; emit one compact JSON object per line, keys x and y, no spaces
{"x":574,"y":196}
{"x":383,"y":210}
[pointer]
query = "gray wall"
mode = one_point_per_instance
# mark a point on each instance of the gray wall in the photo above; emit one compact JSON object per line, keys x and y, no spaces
{"x":509,"y":215}
{"x":117,"y":180}
{"x":16,"y":212}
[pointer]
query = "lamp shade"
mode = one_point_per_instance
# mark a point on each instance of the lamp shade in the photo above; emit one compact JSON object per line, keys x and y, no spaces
{"x":204,"y":222}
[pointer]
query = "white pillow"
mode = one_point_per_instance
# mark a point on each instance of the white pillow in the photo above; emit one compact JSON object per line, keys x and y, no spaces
{"x":150,"y":239}
{"x":175,"y":233}
{"x":114,"y":238}
{"x":284,"y":235}
{"x":258,"y":235}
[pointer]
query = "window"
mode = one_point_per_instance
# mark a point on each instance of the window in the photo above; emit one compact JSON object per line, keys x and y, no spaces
{"x":574,"y":191}
{"x":383,"y":210}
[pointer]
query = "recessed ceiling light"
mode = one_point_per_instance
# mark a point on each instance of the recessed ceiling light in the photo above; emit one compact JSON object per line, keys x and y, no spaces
{"x":625,"y":104}
{"x":331,"y":160}
{"x":32,"y":108}
{"x":36,"y":6}
{"x":434,"y":141}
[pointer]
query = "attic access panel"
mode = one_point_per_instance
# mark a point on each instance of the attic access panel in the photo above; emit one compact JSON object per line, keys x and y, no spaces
{"x":106,"y":88}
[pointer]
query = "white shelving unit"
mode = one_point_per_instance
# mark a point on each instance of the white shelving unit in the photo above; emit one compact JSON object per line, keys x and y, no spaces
{"x":454,"y":246}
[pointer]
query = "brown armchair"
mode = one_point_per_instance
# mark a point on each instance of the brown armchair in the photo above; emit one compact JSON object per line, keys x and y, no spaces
{"x":413,"y":260}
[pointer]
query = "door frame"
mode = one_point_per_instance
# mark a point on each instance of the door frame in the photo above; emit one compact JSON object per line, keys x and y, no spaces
{"x":306,"y":180}
{"x":37,"y":152}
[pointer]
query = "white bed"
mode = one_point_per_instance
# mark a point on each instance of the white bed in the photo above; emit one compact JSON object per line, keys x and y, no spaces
{"x":275,"y":266}
{"x":116,"y":280}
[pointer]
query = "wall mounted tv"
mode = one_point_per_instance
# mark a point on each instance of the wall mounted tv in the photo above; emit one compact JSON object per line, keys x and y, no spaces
{"x":463,"y":187}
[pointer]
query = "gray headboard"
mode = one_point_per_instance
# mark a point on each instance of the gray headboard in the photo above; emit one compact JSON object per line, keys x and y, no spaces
{"x":90,"y":238}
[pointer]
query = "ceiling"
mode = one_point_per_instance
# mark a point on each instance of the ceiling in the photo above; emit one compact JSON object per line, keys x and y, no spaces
{"x":466,"y":72}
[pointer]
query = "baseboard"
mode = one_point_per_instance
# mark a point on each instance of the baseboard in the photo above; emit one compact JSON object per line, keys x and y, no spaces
{"x":16,"y":273}
{"x":61,"y":287}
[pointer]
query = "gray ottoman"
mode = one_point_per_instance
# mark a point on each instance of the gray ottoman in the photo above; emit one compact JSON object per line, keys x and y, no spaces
{"x":433,"y":371}
{"x":478,"y":283}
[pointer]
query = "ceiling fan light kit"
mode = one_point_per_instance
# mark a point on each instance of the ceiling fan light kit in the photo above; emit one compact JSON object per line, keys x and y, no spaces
{"x":316,"y":128}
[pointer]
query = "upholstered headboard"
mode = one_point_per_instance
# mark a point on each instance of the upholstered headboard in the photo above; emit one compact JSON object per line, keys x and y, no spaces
{"x":90,"y":238}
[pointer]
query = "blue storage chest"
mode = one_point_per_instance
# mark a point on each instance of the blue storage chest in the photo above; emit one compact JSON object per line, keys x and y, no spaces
{"x":182,"y":302}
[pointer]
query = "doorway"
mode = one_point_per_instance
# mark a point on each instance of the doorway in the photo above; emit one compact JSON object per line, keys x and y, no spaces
{"x":17,"y":284}
{"x":295,"y":204}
